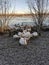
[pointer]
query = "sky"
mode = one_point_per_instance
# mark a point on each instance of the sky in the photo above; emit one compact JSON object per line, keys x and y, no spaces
{"x":17,"y":6}
{"x":20,"y":6}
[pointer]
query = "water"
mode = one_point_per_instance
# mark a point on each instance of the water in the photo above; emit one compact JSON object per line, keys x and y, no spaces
{"x":20,"y":20}
{"x":25,"y":20}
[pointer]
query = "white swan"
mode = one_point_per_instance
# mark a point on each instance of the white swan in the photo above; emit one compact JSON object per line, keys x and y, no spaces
{"x":29,"y":29}
{"x":20,"y":34}
{"x":16,"y":36}
{"x":22,"y":41}
{"x":35,"y":34}
{"x":27,"y":34}
{"x":24,"y":31}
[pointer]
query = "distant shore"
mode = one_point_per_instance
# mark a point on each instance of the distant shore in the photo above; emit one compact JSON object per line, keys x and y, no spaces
{"x":3,"y":15}
{"x":15,"y":15}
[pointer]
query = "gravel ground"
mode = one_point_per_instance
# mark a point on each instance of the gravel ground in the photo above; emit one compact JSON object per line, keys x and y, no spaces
{"x":36,"y":52}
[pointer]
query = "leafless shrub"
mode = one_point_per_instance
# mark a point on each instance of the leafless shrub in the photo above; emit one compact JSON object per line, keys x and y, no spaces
{"x":39,"y":10}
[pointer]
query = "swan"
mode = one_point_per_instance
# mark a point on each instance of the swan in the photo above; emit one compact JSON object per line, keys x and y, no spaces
{"x":24,"y":31}
{"x":35,"y":34}
{"x":29,"y":29}
{"x":27,"y":34}
{"x":22,"y":41}
{"x":16,"y":36}
{"x":20,"y":34}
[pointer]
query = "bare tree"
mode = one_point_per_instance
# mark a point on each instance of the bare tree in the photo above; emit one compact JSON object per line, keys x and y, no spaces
{"x":6,"y":6}
{"x":39,"y":10}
